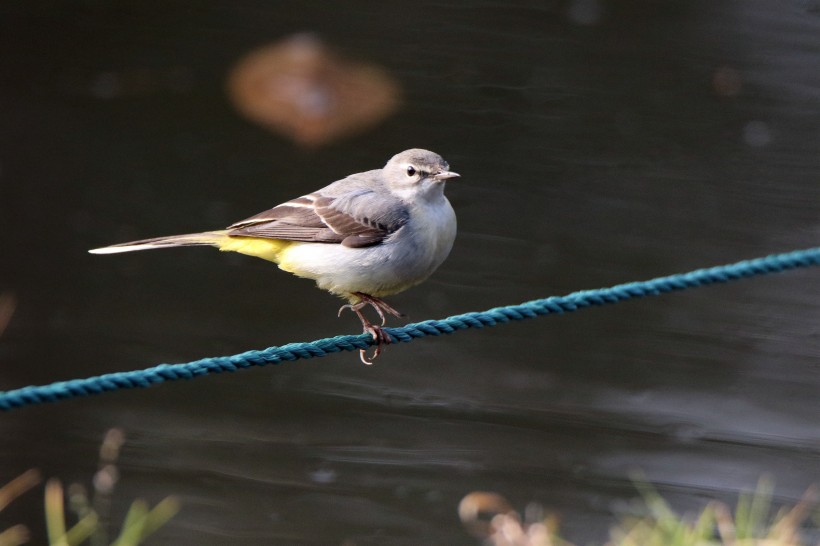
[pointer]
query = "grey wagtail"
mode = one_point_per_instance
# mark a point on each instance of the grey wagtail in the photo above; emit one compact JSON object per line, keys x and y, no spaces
{"x":369,"y":235}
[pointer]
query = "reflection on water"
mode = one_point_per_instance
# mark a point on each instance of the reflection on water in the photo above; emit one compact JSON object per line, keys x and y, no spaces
{"x":601,"y":142}
{"x":298,"y":88}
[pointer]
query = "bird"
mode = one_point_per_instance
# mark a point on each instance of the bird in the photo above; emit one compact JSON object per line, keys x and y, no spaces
{"x":367,"y":236}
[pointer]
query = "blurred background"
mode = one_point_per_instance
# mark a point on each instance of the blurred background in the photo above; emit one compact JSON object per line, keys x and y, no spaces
{"x":598,"y":141}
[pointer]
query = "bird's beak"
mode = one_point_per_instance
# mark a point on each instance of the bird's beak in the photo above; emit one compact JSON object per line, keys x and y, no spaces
{"x":441,"y":176}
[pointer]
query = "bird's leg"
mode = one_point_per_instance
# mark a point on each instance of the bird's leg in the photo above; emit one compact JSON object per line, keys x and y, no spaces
{"x":378,"y":304}
{"x":378,"y":333}
{"x":382,"y":307}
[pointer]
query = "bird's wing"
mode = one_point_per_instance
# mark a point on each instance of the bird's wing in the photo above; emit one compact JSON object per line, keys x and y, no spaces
{"x":358,"y":217}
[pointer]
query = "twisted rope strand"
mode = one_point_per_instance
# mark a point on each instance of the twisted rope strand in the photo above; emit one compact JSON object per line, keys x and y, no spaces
{"x":575,"y":301}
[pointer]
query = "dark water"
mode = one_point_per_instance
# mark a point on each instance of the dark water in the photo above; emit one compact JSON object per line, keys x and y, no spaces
{"x":598,"y":142}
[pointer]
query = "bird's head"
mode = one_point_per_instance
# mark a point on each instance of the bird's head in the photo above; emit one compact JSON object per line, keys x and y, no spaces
{"x":418,"y":173}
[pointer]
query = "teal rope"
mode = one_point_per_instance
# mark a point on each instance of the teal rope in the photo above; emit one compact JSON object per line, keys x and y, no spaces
{"x":64,"y":390}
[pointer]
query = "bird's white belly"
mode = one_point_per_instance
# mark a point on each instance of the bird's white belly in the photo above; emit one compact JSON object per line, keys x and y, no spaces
{"x":406,"y":258}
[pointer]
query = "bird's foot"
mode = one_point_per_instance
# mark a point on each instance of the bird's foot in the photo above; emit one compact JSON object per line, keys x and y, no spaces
{"x":379,"y":335}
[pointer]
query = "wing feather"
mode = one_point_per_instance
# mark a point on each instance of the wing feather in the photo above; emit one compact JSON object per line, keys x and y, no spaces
{"x":356,"y":219}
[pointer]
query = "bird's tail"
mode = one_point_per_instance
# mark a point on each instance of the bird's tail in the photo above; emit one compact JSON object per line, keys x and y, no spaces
{"x":207,"y":238}
{"x":267,"y":249}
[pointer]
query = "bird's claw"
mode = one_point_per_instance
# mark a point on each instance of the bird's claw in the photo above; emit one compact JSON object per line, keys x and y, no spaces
{"x":347,"y":306}
{"x":379,"y":335}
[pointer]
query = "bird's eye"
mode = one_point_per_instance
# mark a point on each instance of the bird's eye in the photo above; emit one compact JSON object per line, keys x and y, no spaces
{"x":411,"y":171}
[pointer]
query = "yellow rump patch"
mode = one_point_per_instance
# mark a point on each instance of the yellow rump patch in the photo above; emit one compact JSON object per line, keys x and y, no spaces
{"x":267,"y":249}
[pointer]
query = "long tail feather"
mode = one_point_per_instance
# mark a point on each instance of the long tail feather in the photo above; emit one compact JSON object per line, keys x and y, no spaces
{"x":208,"y":238}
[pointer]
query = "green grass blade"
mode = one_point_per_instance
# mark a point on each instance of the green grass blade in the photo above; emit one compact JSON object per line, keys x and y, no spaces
{"x":55,"y":513}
